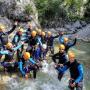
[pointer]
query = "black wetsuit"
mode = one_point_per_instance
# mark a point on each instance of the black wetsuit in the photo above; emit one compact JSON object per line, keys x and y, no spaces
{"x":4,"y":37}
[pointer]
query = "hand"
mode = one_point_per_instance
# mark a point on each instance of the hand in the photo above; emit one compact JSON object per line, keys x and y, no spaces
{"x":73,"y":84}
{"x":55,"y":65}
{"x":76,"y":36}
{"x":26,"y":76}
{"x":61,"y":33}
{"x":22,"y":42}
{"x":61,"y":65}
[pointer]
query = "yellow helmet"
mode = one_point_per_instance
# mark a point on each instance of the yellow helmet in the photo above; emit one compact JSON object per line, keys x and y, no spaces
{"x":9,"y":45}
{"x":30,"y":26}
{"x":61,"y":46}
{"x":36,"y":29}
{"x":26,"y":55}
{"x":39,"y":31}
{"x":49,"y":33}
{"x":20,"y":30}
{"x":2,"y":27}
{"x":71,"y":54}
{"x":43,"y":34}
{"x":66,"y":39}
{"x":33,"y":33}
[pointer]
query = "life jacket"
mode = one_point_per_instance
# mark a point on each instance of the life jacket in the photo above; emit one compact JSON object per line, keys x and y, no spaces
{"x":9,"y":56}
{"x":4,"y":38}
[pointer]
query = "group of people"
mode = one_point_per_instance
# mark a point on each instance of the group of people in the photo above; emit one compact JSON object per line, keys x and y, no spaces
{"x":31,"y":47}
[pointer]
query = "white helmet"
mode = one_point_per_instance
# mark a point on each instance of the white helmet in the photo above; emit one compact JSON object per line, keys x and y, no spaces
{"x":44,"y":46}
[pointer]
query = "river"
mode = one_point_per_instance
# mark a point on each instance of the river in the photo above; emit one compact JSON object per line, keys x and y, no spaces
{"x":48,"y":80}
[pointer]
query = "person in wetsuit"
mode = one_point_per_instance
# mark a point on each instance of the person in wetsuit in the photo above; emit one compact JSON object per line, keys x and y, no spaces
{"x":4,"y":35}
{"x":76,"y":72}
{"x":32,"y":42}
{"x":27,"y":64}
{"x":60,"y":58}
{"x":50,"y":40}
{"x":18,"y":37}
{"x":9,"y":63}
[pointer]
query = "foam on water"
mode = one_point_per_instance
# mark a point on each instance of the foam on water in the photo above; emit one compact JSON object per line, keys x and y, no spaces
{"x":47,"y":82}
{"x":79,"y":51}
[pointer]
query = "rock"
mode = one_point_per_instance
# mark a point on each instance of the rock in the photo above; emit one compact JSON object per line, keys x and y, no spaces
{"x":14,"y":8}
{"x":77,"y":25}
{"x":7,"y":23}
{"x":83,"y":23}
{"x":84,"y":33}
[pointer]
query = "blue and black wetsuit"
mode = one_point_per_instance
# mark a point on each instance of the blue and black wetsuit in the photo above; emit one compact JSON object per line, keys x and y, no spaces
{"x":59,"y":58}
{"x":76,"y":72}
{"x":9,"y":58}
{"x":16,"y":40}
{"x":27,"y":66}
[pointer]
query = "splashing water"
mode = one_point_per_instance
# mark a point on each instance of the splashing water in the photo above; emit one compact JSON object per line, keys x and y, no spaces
{"x":46,"y":80}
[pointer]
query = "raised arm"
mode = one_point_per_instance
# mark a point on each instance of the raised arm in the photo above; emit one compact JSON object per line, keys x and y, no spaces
{"x":72,"y":43}
{"x":13,"y":28}
{"x":61,"y":39}
{"x":56,"y":36}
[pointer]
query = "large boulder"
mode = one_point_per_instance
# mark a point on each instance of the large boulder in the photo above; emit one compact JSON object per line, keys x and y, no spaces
{"x":13,"y":8}
{"x":6,"y":22}
{"x":84,"y":33}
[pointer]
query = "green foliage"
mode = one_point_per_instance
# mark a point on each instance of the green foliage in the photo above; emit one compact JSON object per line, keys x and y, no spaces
{"x":87,"y":12}
{"x":28,"y":9}
{"x":50,"y":10}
